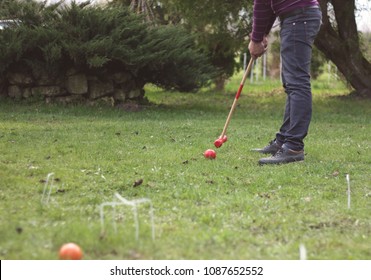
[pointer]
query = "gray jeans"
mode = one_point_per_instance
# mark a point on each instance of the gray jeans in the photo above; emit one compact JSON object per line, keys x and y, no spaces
{"x":297,"y":36}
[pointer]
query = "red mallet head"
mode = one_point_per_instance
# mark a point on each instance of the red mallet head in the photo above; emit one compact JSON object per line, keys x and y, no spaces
{"x":210,"y":154}
{"x":218,"y":142}
{"x":70,"y":251}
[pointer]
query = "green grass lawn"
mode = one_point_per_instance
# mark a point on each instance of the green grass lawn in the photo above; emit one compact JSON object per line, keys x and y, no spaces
{"x":228,"y":208}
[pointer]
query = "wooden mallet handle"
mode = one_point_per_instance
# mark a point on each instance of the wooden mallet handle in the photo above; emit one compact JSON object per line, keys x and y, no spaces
{"x":247,"y":71}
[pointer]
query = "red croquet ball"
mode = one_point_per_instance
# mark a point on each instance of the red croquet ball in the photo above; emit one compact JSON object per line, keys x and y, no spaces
{"x":70,"y":251}
{"x":218,"y":142}
{"x":211,"y":154}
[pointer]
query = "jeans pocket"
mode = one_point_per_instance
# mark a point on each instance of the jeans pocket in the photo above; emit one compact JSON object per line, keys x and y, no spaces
{"x":311,"y":28}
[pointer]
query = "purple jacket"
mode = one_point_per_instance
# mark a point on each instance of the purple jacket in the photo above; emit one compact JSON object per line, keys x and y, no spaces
{"x":266,"y":11}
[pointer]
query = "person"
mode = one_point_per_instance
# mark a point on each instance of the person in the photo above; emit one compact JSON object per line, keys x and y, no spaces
{"x":300,"y":22}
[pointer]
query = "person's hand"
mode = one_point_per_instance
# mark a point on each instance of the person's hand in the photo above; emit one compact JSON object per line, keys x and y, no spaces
{"x":258,"y":49}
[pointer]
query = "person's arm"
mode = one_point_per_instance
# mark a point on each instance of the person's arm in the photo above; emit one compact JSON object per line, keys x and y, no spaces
{"x":263,"y":20}
{"x":270,"y":24}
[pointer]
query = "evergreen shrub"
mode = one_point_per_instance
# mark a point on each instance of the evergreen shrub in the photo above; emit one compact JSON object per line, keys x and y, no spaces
{"x":98,"y":40}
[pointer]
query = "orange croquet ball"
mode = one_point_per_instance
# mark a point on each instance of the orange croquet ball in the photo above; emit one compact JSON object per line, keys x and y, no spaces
{"x":70,"y":251}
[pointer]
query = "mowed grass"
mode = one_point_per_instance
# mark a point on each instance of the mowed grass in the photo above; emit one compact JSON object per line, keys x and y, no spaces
{"x":228,"y":208}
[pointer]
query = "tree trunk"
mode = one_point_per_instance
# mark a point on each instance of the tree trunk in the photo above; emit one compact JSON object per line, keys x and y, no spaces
{"x":340,"y":44}
{"x":220,"y":83}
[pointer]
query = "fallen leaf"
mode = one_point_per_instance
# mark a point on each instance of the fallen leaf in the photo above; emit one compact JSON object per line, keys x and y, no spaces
{"x":19,"y":230}
{"x":138,"y":183}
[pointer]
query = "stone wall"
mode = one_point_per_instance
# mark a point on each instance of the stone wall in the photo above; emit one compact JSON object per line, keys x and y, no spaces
{"x":73,"y":85}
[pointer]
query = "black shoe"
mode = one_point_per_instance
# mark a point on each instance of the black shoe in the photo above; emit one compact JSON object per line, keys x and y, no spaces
{"x":271,"y":148}
{"x":284,"y":155}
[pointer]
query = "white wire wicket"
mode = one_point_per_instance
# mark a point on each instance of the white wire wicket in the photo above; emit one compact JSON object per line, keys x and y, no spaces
{"x":134,"y":206}
{"x":48,"y":183}
{"x":348,"y":192}
{"x":302,"y":252}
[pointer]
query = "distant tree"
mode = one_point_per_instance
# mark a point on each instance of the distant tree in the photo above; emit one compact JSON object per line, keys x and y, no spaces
{"x":366,"y":44}
{"x":339,"y":40}
{"x":144,"y":7}
{"x":220,"y":27}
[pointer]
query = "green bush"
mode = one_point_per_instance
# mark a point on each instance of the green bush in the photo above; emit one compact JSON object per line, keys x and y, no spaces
{"x":99,"y":40}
